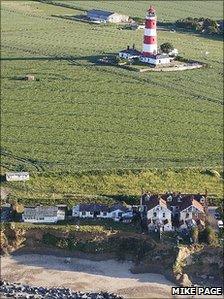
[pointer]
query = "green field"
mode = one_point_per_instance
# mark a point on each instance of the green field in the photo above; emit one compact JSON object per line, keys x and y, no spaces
{"x":81,"y":116}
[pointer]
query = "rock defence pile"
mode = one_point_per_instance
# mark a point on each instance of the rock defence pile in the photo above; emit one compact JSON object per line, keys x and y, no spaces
{"x":16,"y":290}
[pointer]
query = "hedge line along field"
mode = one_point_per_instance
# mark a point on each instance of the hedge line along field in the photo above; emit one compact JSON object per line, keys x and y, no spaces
{"x":81,"y":116}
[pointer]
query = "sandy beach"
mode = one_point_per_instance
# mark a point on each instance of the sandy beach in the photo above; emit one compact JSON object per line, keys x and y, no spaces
{"x":86,"y":276}
{"x":83,"y":275}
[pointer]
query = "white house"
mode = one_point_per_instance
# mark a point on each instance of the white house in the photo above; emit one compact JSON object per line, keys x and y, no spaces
{"x":118,"y":211}
{"x":129,"y":53}
{"x":173,"y":52}
{"x":182,"y":210}
{"x":103,"y":16}
{"x":115,"y":212}
{"x":158,"y":214}
{"x":43,"y":214}
{"x":157,"y":59}
{"x":191,"y":213}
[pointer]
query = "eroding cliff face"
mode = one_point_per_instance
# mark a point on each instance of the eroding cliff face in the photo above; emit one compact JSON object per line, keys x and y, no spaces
{"x":185,"y":265}
{"x":206,"y":266}
{"x":11,"y":238}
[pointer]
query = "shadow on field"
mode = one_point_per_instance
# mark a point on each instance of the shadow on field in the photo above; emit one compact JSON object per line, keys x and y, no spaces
{"x":31,"y":58}
{"x":128,"y":199}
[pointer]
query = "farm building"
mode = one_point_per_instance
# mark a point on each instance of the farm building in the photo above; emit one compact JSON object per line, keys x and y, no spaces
{"x":106,"y":16}
{"x":17,"y":176}
{"x":43,"y":214}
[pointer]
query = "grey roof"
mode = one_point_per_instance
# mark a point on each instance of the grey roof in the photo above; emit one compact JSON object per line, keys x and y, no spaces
{"x":131,"y":51}
{"x":99,"y":13}
{"x":44,"y":211}
{"x":102,"y":208}
{"x":6,"y":213}
{"x":93,"y":208}
{"x":119,"y":207}
{"x":158,"y":56}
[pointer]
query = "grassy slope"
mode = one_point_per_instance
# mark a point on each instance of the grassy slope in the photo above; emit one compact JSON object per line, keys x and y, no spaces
{"x":107,"y":188}
{"x":80,"y":116}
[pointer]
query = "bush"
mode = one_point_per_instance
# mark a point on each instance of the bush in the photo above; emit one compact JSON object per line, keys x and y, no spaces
{"x":194,"y":234}
{"x":208,"y":236}
{"x":166,"y":47}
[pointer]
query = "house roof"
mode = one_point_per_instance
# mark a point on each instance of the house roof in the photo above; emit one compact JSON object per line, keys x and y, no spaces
{"x":182,"y":201}
{"x":100,"y":13}
{"x":93,"y":208}
{"x":131,"y":51}
{"x":5,"y":213}
{"x":102,"y":208}
{"x":156,"y":56}
{"x":44,"y":211}
{"x":153,"y":201}
{"x":118,"y":207}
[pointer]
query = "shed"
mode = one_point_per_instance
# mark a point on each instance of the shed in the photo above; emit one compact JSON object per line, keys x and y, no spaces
{"x":17,"y":176}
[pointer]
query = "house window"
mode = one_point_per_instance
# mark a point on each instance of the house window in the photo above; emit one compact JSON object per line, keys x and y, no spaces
{"x":104,"y":213}
{"x":187,"y":215}
{"x":164,"y":214}
{"x":159,"y":61}
{"x":119,"y":214}
{"x":154,"y":214}
{"x":91,"y":213}
{"x":83,"y":213}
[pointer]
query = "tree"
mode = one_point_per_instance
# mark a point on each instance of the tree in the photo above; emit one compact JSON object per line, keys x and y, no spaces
{"x":166,"y":47}
{"x":194,"y":234}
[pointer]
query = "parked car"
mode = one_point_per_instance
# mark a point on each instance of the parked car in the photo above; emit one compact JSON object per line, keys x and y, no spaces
{"x":220,"y":224}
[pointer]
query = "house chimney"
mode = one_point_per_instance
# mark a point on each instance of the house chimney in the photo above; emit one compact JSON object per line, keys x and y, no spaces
{"x":133,"y":47}
{"x":128,"y":47}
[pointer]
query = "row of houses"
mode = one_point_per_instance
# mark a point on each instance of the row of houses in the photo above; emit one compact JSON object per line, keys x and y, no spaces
{"x":53,"y":214}
{"x":172,"y":211}
{"x":166,"y":212}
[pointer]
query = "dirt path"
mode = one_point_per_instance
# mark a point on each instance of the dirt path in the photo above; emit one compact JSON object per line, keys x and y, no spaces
{"x":83,"y":275}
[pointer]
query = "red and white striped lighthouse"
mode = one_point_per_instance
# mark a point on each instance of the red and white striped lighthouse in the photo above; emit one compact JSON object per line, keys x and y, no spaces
{"x":150,"y":38}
